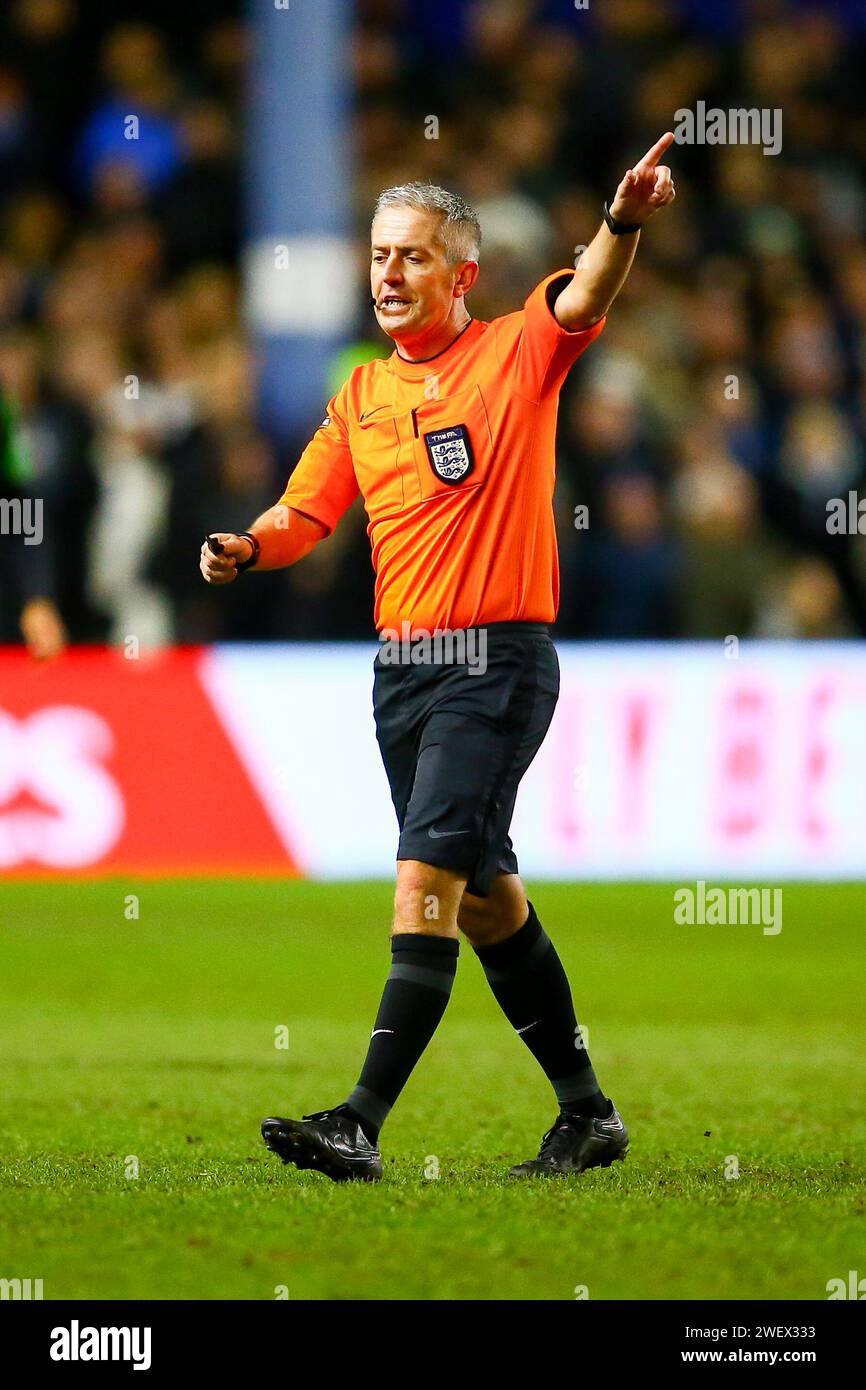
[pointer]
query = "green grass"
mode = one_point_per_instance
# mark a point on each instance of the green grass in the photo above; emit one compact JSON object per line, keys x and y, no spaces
{"x":155,"y":1038}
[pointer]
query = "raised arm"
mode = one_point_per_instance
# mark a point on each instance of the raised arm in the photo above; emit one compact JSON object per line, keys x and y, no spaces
{"x":604,"y":265}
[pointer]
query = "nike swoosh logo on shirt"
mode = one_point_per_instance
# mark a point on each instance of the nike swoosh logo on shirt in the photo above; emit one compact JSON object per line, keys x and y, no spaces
{"x":528,"y":1026}
{"x":368,"y":413}
{"x":381,"y":1030}
{"x":442,"y":834}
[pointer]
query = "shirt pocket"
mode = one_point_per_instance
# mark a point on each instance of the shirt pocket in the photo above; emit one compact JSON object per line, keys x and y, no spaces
{"x":452,"y":443}
{"x":376,"y":446}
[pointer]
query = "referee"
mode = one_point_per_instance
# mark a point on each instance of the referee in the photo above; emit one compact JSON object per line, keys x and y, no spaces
{"x":450,"y":442}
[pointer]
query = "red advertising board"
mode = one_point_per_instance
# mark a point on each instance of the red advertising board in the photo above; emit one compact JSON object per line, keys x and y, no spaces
{"x":115,"y":765}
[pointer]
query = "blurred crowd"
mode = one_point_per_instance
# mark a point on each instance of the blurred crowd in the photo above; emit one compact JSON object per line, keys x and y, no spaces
{"x":700,"y":438}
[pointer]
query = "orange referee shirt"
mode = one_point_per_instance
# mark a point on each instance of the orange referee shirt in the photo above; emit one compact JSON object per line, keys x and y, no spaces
{"x":454,"y":458}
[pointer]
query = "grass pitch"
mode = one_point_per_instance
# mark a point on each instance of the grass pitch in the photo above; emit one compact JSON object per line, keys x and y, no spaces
{"x":148,"y":1047}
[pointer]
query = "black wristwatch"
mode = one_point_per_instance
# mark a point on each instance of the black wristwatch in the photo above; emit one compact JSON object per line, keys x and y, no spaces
{"x":257,"y":549}
{"x":619,"y":228}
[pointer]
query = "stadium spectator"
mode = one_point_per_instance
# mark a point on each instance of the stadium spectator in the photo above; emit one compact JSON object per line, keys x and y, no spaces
{"x":736,"y":354}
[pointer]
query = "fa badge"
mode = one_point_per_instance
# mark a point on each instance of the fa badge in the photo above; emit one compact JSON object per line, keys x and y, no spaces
{"x":450,"y":453}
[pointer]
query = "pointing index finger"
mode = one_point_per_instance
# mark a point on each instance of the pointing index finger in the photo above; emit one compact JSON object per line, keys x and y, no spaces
{"x":652,"y":156}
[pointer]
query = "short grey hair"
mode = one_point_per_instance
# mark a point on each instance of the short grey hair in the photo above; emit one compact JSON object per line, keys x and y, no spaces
{"x":460,"y":228}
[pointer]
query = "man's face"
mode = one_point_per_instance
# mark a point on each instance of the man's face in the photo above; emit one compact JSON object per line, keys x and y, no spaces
{"x":410,"y":279}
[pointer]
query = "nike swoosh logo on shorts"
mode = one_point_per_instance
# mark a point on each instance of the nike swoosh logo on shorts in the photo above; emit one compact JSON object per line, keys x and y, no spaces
{"x":442,"y":834}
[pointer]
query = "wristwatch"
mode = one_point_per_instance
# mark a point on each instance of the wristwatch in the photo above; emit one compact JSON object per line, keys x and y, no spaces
{"x":619,"y":228}
{"x":246,"y":564}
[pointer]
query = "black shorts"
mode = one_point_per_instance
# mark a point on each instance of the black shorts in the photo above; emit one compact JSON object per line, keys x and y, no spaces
{"x":456,"y":741}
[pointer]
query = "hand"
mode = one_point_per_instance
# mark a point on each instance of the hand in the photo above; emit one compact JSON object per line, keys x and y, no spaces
{"x":42,"y":629}
{"x":645,"y":188}
{"x":222,"y":568}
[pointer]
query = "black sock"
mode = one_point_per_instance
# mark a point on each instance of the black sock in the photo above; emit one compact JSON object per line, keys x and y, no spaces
{"x":531,"y":987}
{"x":416,"y":994}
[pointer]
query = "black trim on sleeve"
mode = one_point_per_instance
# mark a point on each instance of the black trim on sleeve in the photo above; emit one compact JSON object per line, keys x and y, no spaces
{"x":555,"y":288}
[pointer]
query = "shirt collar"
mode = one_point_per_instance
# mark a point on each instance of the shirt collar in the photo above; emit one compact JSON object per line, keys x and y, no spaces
{"x":419,"y":371}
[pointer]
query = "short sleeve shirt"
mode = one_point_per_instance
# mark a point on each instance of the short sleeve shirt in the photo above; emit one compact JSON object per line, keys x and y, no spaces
{"x":455,"y":460}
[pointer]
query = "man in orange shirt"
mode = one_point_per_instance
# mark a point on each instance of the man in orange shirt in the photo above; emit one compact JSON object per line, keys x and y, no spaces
{"x":450,"y":442}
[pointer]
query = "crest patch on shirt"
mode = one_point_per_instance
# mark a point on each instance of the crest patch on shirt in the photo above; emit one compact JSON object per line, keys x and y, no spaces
{"x":450,"y":453}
